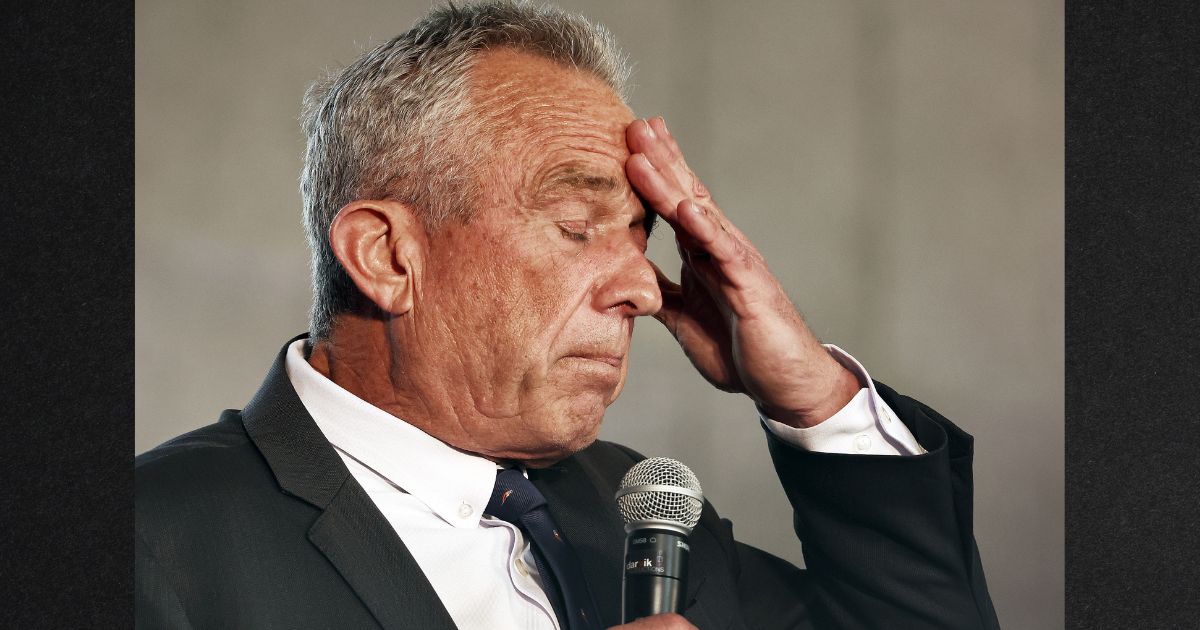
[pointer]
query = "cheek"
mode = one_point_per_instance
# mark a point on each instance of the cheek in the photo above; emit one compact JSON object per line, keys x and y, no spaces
{"x":555,"y":289}
{"x":521,"y":301}
{"x":514,"y":309}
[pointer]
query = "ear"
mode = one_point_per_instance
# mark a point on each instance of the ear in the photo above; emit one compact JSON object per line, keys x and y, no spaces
{"x":380,"y":244}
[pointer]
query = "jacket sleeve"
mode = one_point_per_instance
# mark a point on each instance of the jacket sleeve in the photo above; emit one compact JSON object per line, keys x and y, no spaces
{"x":887,"y":541}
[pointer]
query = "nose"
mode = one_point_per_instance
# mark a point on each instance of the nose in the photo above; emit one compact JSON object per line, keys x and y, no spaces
{"x":629,"y":284}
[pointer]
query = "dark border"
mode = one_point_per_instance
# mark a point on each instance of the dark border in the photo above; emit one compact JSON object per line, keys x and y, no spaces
{"x":1133,"y":305}
{"x":1133,"y":302}
{"x":66,"y":341}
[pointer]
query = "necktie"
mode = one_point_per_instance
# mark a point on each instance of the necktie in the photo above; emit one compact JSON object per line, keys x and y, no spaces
{"x":516,"y":500}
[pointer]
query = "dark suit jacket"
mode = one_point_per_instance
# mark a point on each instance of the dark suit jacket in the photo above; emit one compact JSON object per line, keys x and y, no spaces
{"x":255,"y":522}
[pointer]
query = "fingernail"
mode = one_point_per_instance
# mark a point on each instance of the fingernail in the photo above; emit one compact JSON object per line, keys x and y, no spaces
{"x":663,"y":121}
{"x":648,"y":162}
{"x":650,"y":128}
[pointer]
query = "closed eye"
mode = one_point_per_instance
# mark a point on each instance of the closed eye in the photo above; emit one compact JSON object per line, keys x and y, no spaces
{"x":573,"y":235}
{"x":575,"y":230}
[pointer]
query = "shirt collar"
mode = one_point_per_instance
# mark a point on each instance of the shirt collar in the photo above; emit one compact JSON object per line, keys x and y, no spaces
{"x":454,"y":485}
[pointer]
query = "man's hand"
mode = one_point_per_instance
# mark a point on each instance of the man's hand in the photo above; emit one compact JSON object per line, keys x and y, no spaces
{"x":659,"y":622}
{"x":729,"y":312}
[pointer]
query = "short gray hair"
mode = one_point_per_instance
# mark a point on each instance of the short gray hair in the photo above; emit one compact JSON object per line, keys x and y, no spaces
{"x":396,"y":123}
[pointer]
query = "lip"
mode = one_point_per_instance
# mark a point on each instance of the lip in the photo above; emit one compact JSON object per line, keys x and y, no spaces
{"x":607,"y":359}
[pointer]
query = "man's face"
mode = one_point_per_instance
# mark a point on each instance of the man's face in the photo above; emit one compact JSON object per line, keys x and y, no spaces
{"x":530,"y":305}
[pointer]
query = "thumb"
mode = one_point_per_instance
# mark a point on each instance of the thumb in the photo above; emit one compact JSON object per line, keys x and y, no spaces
{"x":672,"y":300}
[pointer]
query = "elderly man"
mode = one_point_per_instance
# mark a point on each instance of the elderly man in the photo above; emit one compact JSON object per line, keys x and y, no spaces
{"x":478,"y":199}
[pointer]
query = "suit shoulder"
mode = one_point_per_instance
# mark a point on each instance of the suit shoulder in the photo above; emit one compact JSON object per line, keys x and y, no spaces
{"x":209,"y":461}
{"x":224,"y":434}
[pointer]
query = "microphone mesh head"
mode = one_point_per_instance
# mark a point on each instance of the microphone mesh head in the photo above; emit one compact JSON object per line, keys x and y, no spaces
{"x":660,"y":504}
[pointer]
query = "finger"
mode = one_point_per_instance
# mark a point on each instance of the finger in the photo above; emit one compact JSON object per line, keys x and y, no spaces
{"x":665,"y":199}
{"x":729,"y":269}
{"x":697,"y":187}
{"x":698,"y":227}
{"x":652,"y":185}
{"x":659,"y":125}
{"x":708,"y":232}
{"x":642,"y":138}
{"x":652,"y":140}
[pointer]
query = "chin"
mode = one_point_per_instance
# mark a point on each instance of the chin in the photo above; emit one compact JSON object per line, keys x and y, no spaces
{"x":570,"y":433}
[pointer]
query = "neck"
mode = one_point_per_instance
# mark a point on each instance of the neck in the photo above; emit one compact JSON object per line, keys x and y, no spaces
{"x":383,"y":362}
{"x":366,"y":358}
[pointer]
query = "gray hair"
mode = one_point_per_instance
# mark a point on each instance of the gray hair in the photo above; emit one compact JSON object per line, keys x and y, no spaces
{"x":397,"y":124}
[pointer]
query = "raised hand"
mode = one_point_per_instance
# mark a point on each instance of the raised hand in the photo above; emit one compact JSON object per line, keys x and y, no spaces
{"x":729,"y":312}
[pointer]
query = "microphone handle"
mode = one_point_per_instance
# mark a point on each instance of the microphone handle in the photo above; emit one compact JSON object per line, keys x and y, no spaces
{"x":656,"y":567}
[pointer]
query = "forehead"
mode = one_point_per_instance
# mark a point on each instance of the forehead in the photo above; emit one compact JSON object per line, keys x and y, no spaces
{"x":534,"y":104}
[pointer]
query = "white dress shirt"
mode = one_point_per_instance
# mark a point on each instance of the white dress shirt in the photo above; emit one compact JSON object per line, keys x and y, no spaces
{"x":865,"y":426}
{"x":434,"y":496}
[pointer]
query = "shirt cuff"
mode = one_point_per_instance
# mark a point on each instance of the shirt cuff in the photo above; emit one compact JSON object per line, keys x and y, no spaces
{"x":865,"y":426}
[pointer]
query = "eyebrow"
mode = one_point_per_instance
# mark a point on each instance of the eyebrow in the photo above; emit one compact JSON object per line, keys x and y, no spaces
{"x":577,"y":178}
{"x":572,"y":177}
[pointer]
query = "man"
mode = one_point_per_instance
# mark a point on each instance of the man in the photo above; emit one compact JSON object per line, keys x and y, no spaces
{"x":478,"y":199}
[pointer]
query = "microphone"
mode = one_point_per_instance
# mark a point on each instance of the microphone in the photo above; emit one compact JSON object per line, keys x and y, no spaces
{"x":660,"y":500}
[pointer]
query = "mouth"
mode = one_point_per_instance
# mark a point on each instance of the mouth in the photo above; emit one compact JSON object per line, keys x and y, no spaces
{"x":613,"y":360}
{"x":606,"y":359}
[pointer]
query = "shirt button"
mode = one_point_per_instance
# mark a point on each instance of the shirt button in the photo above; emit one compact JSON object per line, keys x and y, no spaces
{"x":465,"y":510}
{"x":887,"y":417}
{"x":862,"y":442}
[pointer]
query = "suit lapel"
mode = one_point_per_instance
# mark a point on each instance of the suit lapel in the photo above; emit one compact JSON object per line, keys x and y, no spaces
{"x":351,"y":532}
{"x":367,"y":552}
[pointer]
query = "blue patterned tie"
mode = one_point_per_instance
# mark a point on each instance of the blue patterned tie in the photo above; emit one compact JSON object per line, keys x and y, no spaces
{"x":516,"y":500}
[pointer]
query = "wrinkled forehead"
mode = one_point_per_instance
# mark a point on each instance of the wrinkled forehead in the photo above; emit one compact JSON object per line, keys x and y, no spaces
{"x":528,"y":102}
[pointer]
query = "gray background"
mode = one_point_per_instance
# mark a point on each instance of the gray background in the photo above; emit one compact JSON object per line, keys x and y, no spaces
{"x":898,"y":163}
